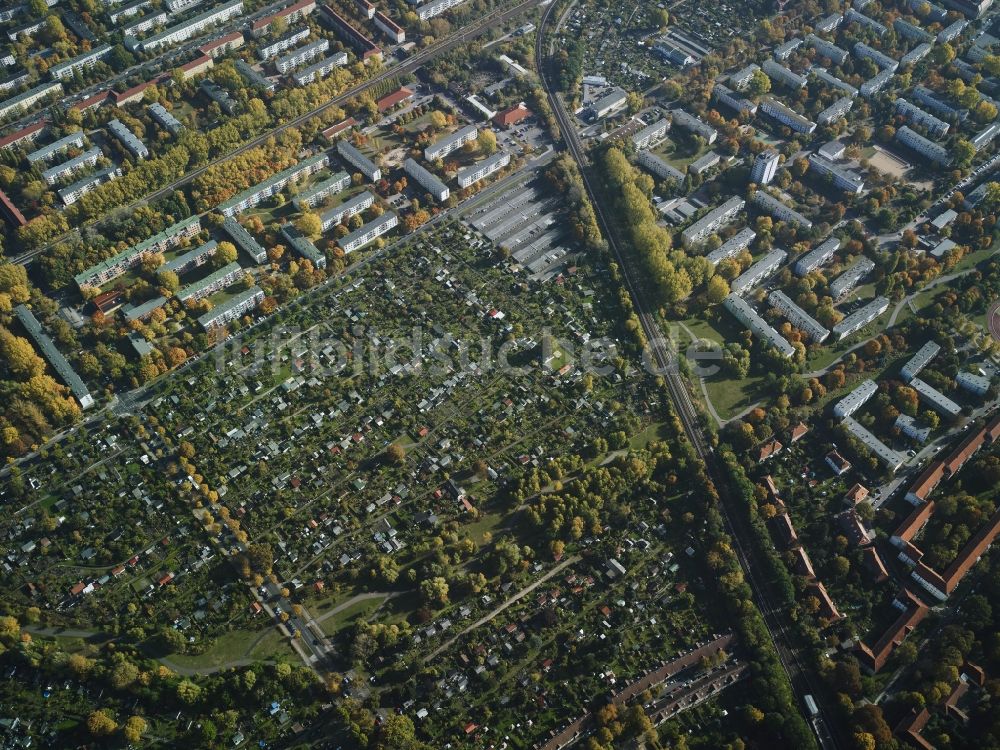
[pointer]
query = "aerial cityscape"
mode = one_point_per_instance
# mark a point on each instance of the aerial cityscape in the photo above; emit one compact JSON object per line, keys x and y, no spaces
{"x":500,"y":374}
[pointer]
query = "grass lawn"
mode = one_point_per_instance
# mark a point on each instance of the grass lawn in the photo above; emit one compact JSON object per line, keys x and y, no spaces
{"x":487,"y":522}
{"x":349,"y":615}
{"x":730,"y":397}
{"x":655,"y":431}
{"x":262,"y":645}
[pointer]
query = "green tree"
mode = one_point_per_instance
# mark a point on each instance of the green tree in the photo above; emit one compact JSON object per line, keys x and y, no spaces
{"x":759,"y":84}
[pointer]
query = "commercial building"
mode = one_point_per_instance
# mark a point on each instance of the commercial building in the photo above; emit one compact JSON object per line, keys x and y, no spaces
{"x":128,"y":139}
{"x":758,"y":271}
{"x":45,"y":153}
{"x":473,"y":173}
{"x":321,"y":190}
{"x":166,"y":120}
{"x":651,"y":134}
{"x":186,"y":29}
{"x":290,"y":14}
{"x":610,"y":103}
{"x":732,"y":247}
{"x":783,"y":75}
{"x":860,"y":318}
{"x":919,"y":361}
{"x":810,"y":327}
{"x":935,"y":399}
{"x":430,"y":182}
{"x":451,"y":142}
{"x":916,"y":116}
{"x":244,"y":240}
{"x":88,"y":158}
{"x":359,"y":161}
{"x":978,"y":385}
{"x":361,"y":44}
{"x":511,"y":116}
{"x":694,"y":125}
{"x":369,"y":232}
{"x":840,"y":177}
{"x":346,"y":210}
{"x":214,"y":282}
{"x":786,"y":116}
{"x":116,"y":265}
{"x":778,"y":210}
{"x":232,"y":309}
{"x":66,"y":69}
{"x":854,"y":400}
{"x":72,"y":193}
{"x":288,"y":40}
{"x":273,"y":185}
{"x":827,"y":49}
{"x":935,"y":152}
{"x":303,"y":246}
{"x":862,"y":51}
{"x":765,"y":166}
{"x":912,"y":429}
{"x":299,"y":57}
{"x":21,"y":102}
{"x":744,"y":312}
{"x":321,"y":69}
{"x":428,"y":10}
{"x":390,"y":28}
{"x":876,"y":83}
{"x":835,"y":111}
{"x":891,"y":459}
{"x":831,"y":80}
{"x":54,"y":357}
{"x":656,"y":165}
{"x":192,"y":259}
{"x":734,"y":101}
{"x":849,"y":279}
{"x":711,"y":222}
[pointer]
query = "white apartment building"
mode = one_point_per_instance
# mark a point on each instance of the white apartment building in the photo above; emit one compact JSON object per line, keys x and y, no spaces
{"x":743,"y":311}
{"x":711,"y":222}
{"x":765,"y":166}
{"x":810,"y":327}
{"x":758,"y":271}
{"x":451,"y":142}
{"x":427,"y":180}
{"x":860,"y":318}
{"x":369,"y":232}
{"x":481,"y":170}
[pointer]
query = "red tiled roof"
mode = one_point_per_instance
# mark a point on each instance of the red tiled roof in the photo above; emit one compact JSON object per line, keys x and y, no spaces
{"x":222,"y":41}
{"x":875,"y":657}
{"x":340,"y":127}
{"x":512,"y":115}
{"x":29,"y":132}
{"x":391,"y":100}
{"x":10,"y":211}
{"x":90,"y":102}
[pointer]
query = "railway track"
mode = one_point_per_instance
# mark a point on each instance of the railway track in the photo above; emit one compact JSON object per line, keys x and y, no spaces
{"x":801,"y":679}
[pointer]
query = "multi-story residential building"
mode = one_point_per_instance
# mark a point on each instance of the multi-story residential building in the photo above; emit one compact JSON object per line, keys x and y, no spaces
{"x":390,"y":28}
{"x":45,"y":153}
{"x":783,"y":75}
{"x":304,"y":246}
{"x":184,"y":30}
{"x":290,"y":14}
{"x":362,"y":45}
{"x":145,"y":23}
{"x":219,"y":95}
{"x":232,"y":309}
{"x":732,"y":247}
{"x":23,"y":101}
{"x":15,"y":81}
{"x":891,"y":459}
{"x":273,"y":185}
{"x":473,"y":173}
{"x":741,"y":78}
{"x":810,"y":327}
{"x":711,"y":222}
{"x":611,"y":102}
{"x":214,"y":282}
{"x":854,"y":400}
{"x":850,"y":278}
{"x":912,"y":429}
{"x":26,"y":29}
{"x":451,"y":142}
{"x":10,"y":212}
{"x":727,"y":96}
{"x":916,"y":54}
{"x":935,"y":13}
{"x":427,"y":10}
{"x":983,"y":138}
{"x":653,"y":163}
{"x":927,"y":97}
{"x":919,"y":361}
{"x":131,"y":313}
{"x":369,"y":232}
{"x":66,"y":69}
{"x":347,"y":209}
{"x":223,"y":44}
{"x":784,"y":51}
{"x":831,"y":80}
{"x":827,"y":49}
{"x":876,"y":83}
{"x":842,"y":178}
{"x":786,"y":116}
{"x":927,"y":148}
{"x":651,"y":134}
{"x":853,"y":16}
{"x":54,"y":357}
{"x":743,"y":311}
{"x":244,"y":240}
{"x":704,"y":163}
{"x":816,"y":257}
{"x":863,"y":51}
{"x":176,"y":6}
{"x":299,"y":57}
{"x":693,"y":124}
{"x":952,"y":31}
{"x":978,"y":385}
{"x":916,"y":116}
{"x":366,"y":8}
{"x":778,"y":210}
{"x":359,"y":161}
{"x":860,"y":318}
{"x":321,"y":69}
{"x":88,"y":158}
{"x":115,"y":266}
{"x":128,"y":139}
{"x":911,"y":31}
{"x":829,"y":24}
{"x":192,"y":259}
{"x":935,"y":399}
{"x":127,"y":11}
{"x":758,"y":271}
{"x":196,"y":67}
{"x":254,"y":78}
{"x":765,"y":166}
{"x":428,"y":181}
{"x":166,"y":120}
{"x":321,"y":190}
{"x":286,"y":41}
{"x":835,"y":111}
{"x":72,"y":193}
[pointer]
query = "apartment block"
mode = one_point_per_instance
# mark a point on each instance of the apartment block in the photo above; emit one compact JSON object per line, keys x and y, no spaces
{"x":651,"y":134}
{"x":977,"y":385}
{"x":912,"y":429}
{"x":44,"y":154}
{"x":784,"y":51}
{"x":827,"y":49}
{"x":850,"y":278}
{"x":927,"y":148}
{"x":840,"y":177}
{"x":834,"y":82}
{"x":451,"y":142}
{"x":725,"y":95}
{"x":290,"y":14}
{"x":765,"y":166}
{"x":232,"y":309}
{"x":128,"y":139}
{"x":835,"y":111}
{"x":711,"y":222}
{"x":853,"y":16}
{"x":778,"y":210}
{"x":192,"y":259}
{"x":891,"y":459}
{"x":911,"y":31}
{"x":369,"y":232}
{"x":362,"y":45}
{"x":810,"y":327}
{"x":786,"y":116}
{"x":916,"y":116}
{"x":759,"y":271}
{"x":286,"y":41}
{"x":741,"y":78}
{"x":694,"y":125}
{"x":254,"y":78}
{"x":303,"y":246}
{"x":952,"y":31}
{"x":916,"y":54}
{"x":54,"y":357}
{"x":816,"y":257}
{"x":88,"y":158}
{"x":876,"y":83}
{"x":347,"y":209}
{"x":390,"y":28}
{"x":428,"y":10}
{"x":321,"y":190}
{"x":359,"y":161}
{"x":863,"y":51}
{"x":930,"y":100}
{"x":829,"y":24}
{"x":319,"y":70}
{"x":214,"y":282}
{"x":72,"y":193}
{"x":732,"y":247}
{"x":141,"y":25}
{"x":653,"y":163}
{"x":744,"y":312}
{"x":186,"y":29}
{"x":219,"y":95}
{"x":854,"y":400}
{"x":244,"y":240}
{"x":935,"y":399}
{"x":66,"y":69}
{"x":919,"y":361}
{"x":164,"y":119}
{"x":22,"y":102}
{"x":273,"y":185}
{"x":860,"y":318}
{"x":468,"y":176}
{"x":299,"y":57}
